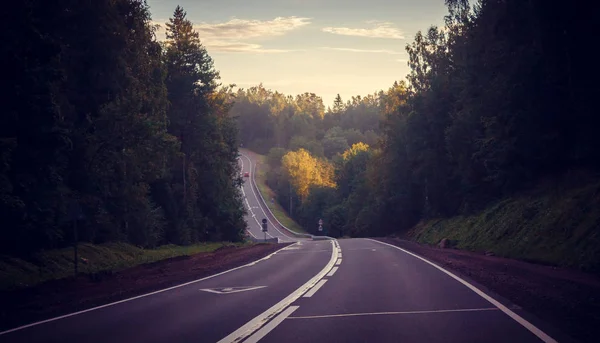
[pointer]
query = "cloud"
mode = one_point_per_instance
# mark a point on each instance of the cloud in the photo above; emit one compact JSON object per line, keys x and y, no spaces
{"x":373,"y":51}
{"x":244,"y":29}
{"x":378,"y":30}
{"x":242,"y":47}
{"x":232,"y":36}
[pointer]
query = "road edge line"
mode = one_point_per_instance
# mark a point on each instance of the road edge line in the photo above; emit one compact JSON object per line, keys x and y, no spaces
{"x":250,"y":207}
{"x":293,"y":234}
{"x":522,"y":321}
{"x":259,"y":321}
{"x":140,"y":296}
{"x":259,"y":202}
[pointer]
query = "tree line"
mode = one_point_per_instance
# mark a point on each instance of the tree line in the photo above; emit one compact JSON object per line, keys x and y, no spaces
{"x":496,"y":99}
{"x":104,"y":124}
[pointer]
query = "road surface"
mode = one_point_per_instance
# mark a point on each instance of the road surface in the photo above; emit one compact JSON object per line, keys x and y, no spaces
{"x":352,"y":290}
{"x":256,"y":212}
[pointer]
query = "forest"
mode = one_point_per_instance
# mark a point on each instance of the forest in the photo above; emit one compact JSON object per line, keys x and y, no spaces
{"x":135,"y":139}
{"x":496,"y":100}
{"x":108,"y":129}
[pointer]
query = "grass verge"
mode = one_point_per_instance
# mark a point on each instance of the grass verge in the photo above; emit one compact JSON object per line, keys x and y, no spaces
{"x":553,"y":225}
{"x":58,"y":264}
{"x":267,"y":193}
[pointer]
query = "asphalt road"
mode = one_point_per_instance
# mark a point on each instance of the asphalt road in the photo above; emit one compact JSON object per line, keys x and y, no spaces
{"x":355,"y":290}
{"x":382,"y":294}
{"x":190,"y":313}
{"x":255,"y":211}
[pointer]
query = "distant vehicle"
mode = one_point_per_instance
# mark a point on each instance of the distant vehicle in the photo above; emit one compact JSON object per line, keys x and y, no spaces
{"x":246,"y":174}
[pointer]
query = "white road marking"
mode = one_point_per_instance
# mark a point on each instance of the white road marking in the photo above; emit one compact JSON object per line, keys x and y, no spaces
{"x":315,"y":289}
{"x":395,"y":313}
{"x":229,"y":290}
{"x":250,"y":232}
{"x":255,"y":323}
{"x":260,"y":205}
{"x":139,"y":296}
{"x":271,"y":325}
{"x":333,"y":271}
{"x":532,"y":328}
{"x":250,"y":207}
{"x":337,"y":263}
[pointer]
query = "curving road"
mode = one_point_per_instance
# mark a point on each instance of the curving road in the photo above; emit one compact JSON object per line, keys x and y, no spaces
{"x":257,"y":209}
{"x":352,"y":290}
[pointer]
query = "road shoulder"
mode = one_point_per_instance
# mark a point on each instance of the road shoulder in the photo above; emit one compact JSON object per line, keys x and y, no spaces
{"x":565,"y":299}
{"x":60,"y":297}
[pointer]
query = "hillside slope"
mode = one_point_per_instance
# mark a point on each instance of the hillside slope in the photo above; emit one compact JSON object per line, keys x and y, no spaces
{"x":557,"y":224}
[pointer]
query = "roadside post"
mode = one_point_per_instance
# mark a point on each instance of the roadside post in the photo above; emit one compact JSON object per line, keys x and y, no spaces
{"x":264,"y":227}
{"x":320,"y":225}
{"x":74,"y":213}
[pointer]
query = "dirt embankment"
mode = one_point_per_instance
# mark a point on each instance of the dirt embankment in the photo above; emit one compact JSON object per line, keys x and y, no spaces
{"x":568,"y":300}
{"x":69,"y":295}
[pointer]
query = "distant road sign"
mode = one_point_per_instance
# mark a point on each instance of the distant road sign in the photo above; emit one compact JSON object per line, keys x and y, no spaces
{"x":320,"y":222}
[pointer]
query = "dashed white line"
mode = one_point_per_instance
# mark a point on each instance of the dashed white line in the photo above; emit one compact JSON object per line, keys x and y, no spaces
{"x":338,"y":262}
{"x":271,"y":325}
{"x":333,"y":271}
{"x":314,"y":289}
{"x":139,"y":296}
{"x":260,"y":320}
{"x":284,"y":236}
{"x":250,"y":207}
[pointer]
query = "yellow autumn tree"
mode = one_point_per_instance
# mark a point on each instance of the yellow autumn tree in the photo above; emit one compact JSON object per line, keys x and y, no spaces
{"x":306,"y":171}
{"x":355,"y":150}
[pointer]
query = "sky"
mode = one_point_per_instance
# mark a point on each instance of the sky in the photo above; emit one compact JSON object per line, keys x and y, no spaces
{"x":327,"y":47}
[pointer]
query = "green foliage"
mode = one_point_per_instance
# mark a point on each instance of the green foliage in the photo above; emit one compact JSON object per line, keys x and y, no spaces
{"x":544,"y":226}
{"x":102,"y":115}
{"x":267,"y":165}
{"x":108,"y":257}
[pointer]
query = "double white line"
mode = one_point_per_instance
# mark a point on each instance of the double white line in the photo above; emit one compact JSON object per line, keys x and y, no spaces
{"x":282,"y":309}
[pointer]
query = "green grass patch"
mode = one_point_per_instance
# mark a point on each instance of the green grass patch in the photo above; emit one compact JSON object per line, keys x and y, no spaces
{"x":553,"y":225}
{"x":58,"y":264}
{"x":268,"y":194}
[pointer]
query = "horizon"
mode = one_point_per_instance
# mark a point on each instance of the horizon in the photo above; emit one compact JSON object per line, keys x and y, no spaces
{"x":298,"y":46}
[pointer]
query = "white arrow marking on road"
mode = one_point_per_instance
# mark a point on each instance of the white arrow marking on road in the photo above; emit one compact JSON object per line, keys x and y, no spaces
{"x":228,"y":290}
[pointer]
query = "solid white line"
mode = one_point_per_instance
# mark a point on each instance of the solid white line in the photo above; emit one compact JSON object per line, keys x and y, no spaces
{"x":255,"y":323}
{"x":250,"y":208}
{"x":315,"y":289}
{"x":139,"y":296}
{"x":338,"y":262}
{"x":333,"y":271}
{"x":539,"y":333}
{"x":271,"y":325}
{"x":259,"y":203}
{"x":395,"y":313}
{"x":289,"y":233}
